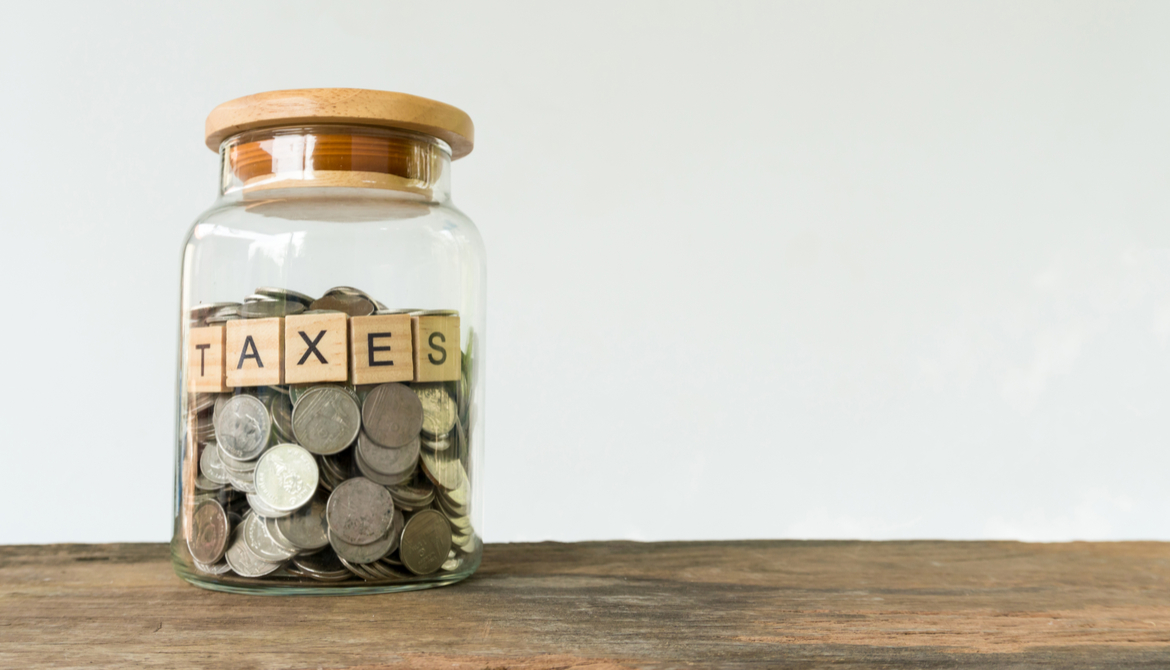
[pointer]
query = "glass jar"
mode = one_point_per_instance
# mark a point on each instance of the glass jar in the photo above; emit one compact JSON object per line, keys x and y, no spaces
{"x":330,"y":385}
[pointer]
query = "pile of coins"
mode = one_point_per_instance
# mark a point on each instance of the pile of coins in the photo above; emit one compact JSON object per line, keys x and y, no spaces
{"x":328,"y":482}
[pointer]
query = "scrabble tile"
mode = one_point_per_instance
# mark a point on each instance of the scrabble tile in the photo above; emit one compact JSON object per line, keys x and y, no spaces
{"x":437,"y":356}
{"x":205,"y":373}
{"x":380,"y":349}
{"x":316,"y":348}
{"x":255,"y":348}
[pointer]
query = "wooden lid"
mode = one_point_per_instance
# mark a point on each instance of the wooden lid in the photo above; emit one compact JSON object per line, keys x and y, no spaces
{"x":354,"y":106}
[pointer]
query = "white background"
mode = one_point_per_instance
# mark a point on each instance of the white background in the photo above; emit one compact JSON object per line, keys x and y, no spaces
{"x":779,"y":269}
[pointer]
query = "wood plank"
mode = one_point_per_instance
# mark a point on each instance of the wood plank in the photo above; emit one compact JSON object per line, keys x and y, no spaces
{"x":618,"y":604}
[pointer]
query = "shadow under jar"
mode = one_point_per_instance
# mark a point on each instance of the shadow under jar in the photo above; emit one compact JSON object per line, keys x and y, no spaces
{"x":330,"y":385}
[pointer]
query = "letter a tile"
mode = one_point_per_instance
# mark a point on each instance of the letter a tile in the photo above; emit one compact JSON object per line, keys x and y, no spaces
{"x":255,"y":348}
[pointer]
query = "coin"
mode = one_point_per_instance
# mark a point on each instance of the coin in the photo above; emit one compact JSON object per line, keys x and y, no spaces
{"x":377,"y":477}
{"x":280,"y":408}
{"x":261,"y":543}
{"x":242,"y":481}
{"x":452,"y":563}
{"x":392,"y":415}
{"x":211,"y":465}
{"x":216,"y":569}
{"x":242,"y":427}
{"x":243,"y":561}
{"x":438,"y":409}
{"x":414,"y":494}
{"x":306,"y":528}
{"x":277,"y":536}
{"x":438,"y":444}
{"x":446,"y":472}
{"x":284,"y":294}
{"x":348,"y":291}
{"x":268,"y":308}
{"x":326,"y":420}
{"x":353,"y":305}
{"x":258,"y":506}
{"x":210,"y":531}
{"x":207,"y":309}
{"x":359,"y":511}
{"x":204,"y":484}
{"x":392,"y":461}
{"x":201,"y":401}
{"x":425,"y":542}
{"x":233,"y":465}
{"x":286,"y":477}
{"x":321,"y":564}
{"x":361,"y":553}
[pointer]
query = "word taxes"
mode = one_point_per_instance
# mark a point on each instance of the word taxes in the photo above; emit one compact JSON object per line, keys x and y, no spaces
{"x":323,"y":347}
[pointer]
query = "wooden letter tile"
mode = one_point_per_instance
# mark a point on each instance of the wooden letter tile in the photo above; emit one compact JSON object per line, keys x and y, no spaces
{"x":316,"y":348}
{"x":380,"y":349}
{"x":205,"y":360}
{"x":437,"y":356}
{"x":255,"y":349}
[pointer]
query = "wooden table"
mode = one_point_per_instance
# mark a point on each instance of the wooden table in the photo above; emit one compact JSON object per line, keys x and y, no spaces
{"x":618,"y":604}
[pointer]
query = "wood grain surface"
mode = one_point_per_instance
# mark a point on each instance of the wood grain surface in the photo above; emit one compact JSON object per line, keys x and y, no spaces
{"x":618,"y":604}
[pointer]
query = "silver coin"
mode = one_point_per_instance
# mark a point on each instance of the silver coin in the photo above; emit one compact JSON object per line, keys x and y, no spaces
{"x":280,"y":408}
{"x":460,"y":496}
{"x":261,"y":543}
{"x":440,"y":444}
{"x":235,"y":466}
{"x":207,"y":309}
{"x":390,"y":461}
{"x":210,"y":531}
{"x":277,"y":536}
{"x":211,"y":466}
{"x":353,"y":305}
{"x":286,"y":477}
{"x":377,"y":477}
{"x":392,"y":415}
{"x":268,"y":308}
{"x":438,"y":409}
{"x":201,"y":401}
{"x":413,"y":495}
{"x":326,"y":420}
{"x":446,"y":472}
{"x":462,"y":542}
{"x":453,"y":562}
{"x":426,"y":539}
{"x":359,"y":511}
{"x":216,"y":320}
{"x":322,"y":563}
{"x":306,"y":528}
{"x":204,"y":484}
{"x":460,"y":523}
{"x":284,"y":294}
{"x":242,"y":427}
{"x":220,"y":400}
{"x":258,"y":506}
{"x":361,"y":553}
{"x":216,"y":569}
{"x":242,"y":482}
{"x":243,"y":561}
{"x":349,"y":291}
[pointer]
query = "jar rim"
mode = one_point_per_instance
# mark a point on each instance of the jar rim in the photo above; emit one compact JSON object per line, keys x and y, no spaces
{"x":344,"y":106}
